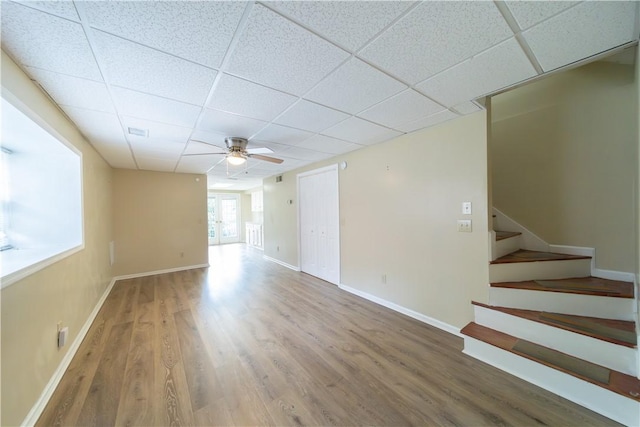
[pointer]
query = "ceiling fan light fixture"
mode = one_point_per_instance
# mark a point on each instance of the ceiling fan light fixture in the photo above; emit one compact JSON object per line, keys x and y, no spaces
{"x":235,"y":158}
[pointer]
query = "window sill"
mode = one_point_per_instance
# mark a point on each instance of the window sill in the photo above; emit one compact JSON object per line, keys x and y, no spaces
{"x":20,"y":263}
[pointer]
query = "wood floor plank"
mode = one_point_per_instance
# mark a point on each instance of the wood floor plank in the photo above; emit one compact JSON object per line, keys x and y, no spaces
{"x":214,"y":414}
{"x":201,"y":380}
{"x":248,"y":342}
{"x":65,"y":405}
{"x":172,"y":401}
{"x":101,"y":404}
{"x":136,"y":399}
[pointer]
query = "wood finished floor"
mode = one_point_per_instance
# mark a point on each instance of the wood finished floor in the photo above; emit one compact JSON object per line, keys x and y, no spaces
{"x":249,"y":342}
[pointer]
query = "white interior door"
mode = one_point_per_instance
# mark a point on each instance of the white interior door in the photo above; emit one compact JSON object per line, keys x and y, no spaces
{"x":224,"y":218}
{"x":319,"y":215}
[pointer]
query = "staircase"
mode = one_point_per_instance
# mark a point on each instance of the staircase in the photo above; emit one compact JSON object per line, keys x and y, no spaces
{"x":552,"y":324}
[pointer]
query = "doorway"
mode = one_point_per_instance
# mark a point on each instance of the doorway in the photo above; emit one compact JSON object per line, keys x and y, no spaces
{"x":223,"y":218}
{"x":319,"y":223}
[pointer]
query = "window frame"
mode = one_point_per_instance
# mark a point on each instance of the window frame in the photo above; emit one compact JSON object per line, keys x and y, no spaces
{"x":33,"y":267}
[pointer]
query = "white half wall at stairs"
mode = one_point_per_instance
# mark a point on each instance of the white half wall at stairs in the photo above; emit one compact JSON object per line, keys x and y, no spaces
{"x":529,"y":240}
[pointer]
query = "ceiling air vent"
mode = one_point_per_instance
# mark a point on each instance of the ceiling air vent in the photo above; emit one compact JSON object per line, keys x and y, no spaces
{"x":279,"y":178}
{"x":138,"y":132}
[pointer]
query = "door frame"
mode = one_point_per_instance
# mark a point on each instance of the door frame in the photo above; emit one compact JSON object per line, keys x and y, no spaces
{"x":330,"y":168}
{"x":218,"y":211}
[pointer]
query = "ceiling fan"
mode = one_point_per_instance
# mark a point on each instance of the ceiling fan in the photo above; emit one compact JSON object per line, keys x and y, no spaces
{"x":237,"y":152}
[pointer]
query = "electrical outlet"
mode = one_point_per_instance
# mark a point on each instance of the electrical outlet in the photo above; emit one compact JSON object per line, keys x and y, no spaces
{"x":464,"y":225}
{"x":466,"y":208}
{"x":62,"y":336}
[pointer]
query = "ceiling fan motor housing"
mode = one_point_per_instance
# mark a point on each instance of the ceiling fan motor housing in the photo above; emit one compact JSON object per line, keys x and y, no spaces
{"x":236,"y":144}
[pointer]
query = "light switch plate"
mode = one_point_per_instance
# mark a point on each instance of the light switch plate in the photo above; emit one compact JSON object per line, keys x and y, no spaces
{"x":464,"y":225}
{"x":466,"y":208}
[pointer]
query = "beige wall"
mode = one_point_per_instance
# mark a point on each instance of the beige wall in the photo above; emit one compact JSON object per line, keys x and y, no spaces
{"x":399,"y":202}
{"x":66,"y":291}
{"x":564,"y":160}
{"x":160,"y":220}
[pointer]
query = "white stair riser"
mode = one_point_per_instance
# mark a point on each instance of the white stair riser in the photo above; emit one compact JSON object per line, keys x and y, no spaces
{"x":557,"y":302}
{"x":540,"y":270}
{"x":615,"y":406}
{"x":506,"y":246}
{"x":612,"y":356}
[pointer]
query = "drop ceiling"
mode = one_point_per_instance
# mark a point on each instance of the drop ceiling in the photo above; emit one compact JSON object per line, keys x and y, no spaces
{"x":308,"y":80}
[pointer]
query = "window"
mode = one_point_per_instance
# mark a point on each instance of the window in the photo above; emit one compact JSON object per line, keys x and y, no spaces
{"x":256,"y":201}
{"x":40,"y":192}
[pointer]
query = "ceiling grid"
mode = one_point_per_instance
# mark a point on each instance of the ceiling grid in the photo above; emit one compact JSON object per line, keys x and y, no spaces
{"x":305,"y":80}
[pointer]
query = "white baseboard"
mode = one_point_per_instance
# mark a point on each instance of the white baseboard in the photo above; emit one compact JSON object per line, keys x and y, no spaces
{"x":153,"y":273}
{"x":282,"y":263}
{"x":51,"y":386}
{"x":406,"y":311}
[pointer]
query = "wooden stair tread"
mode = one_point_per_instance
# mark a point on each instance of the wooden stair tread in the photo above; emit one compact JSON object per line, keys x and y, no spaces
{"x":617,"y":382}
{"x":523,"y":255}
{"x":501,"y":235}
{"x":577,"y":285}
{"x":618,"y":332}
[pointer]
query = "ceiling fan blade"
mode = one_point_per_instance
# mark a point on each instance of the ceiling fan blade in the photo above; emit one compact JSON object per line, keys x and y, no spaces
{"x":259,"y":150}
{"x":202,"y":154}
{"x":207,"y":143}
{"x":265,"y":158}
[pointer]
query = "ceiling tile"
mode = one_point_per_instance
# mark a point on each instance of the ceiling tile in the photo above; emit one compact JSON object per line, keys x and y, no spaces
{"x":147,"y":147}
{"x":197,"y":164}
{"x":354,"y":86}
{"x":361,"y":131}
{"x":196,"y":147}
{"x":155,"y":108}
{"x":326,"y":144}
{"x":63,"y":8}
{"x":159,"y":164}
{"x":426,"y":122}
{"x":282,"y":135}
{"x":41,"y":40}
{"x":348,"y":23}
{"x":248,"y":99}
{"x":402,"y":108}
{"x":493,"y":69}
{"x":310,"y":116}
{"x":105,"y":134}
{"x":530,"y":13}
{"x":74,"y":91}
{"x":229,"y":124}
{"x":199,"y":31}
{"x":467,"y":108}
{"x":273,"y":146}
{"x":305,"y":154}
{"x":134,"y":66}
{"x":98,"y":126}
{"x":277,"y":53}
{"x":118,"y":157}
{"x":157,"y":130}
{"x":582,"y":31}
{"x":436,"y":35}
{"x":213,"y":138}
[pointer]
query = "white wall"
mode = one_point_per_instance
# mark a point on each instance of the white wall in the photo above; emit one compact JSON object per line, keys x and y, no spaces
{"x":399,"y":202}
{"x":564,"y":160}
{"x":66,"y":291}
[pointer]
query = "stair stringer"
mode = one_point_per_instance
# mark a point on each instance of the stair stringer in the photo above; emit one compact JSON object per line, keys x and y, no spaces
{"x":613,"y":405}
{"x":529,"y":240}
